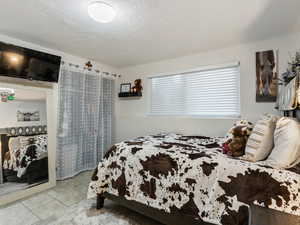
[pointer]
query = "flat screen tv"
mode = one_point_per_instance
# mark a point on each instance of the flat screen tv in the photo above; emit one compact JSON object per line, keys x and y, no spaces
{"x":28,"y":64}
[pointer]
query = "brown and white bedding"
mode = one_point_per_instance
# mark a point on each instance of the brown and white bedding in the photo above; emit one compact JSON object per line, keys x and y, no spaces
{"x":23,"y":151}
{"x":189,"y":174}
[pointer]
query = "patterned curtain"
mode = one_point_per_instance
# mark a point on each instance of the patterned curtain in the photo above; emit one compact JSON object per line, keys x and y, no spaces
{"x":84,"y":121}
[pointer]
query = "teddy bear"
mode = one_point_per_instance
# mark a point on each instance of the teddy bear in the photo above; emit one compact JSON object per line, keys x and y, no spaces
{"x":137,"y":86}
{"x":243,"y":123}
{"x":236,"y":145}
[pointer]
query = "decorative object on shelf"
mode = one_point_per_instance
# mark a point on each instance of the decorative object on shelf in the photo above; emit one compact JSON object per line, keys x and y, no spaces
{"x":7,"y":94}
{"x":266,"y":76}
{"x":125,"y":88}
{"x":137,"y":88}
{"x":293,"y":68}
{"x":127,"y":91}
{"x":28,"y":115}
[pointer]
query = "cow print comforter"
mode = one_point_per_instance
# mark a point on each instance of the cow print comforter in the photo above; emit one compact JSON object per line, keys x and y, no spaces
{"x":19,"y":158}
{"x":189,"y":174}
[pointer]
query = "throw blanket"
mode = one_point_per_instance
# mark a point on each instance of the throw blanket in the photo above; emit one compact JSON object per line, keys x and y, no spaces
{"x":189,"y":174}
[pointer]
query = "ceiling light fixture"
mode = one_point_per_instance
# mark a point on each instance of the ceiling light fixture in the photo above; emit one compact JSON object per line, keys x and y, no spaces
{"x":101,"y":11}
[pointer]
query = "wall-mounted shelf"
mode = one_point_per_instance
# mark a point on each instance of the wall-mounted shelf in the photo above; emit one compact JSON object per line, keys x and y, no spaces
{"x":129,"y":94}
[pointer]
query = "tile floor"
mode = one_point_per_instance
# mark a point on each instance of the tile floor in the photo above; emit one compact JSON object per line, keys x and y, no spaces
{"x":46,"y":206}
{"x":8,"y":187}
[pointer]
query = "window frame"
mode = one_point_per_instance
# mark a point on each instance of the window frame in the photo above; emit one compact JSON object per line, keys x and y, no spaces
{"x":198,"y":69}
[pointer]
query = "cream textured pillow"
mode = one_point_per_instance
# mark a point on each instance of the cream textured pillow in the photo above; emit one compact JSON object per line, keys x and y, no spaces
{"x":286,"y":152}
{"x":261,"y":142}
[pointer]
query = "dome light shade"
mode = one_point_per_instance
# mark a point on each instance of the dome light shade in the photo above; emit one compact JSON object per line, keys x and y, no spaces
{"x":101,"y":11}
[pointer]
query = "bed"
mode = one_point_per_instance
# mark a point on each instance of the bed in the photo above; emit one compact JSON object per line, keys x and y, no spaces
{"x":24,"y":155}
{"x":179,"y":179}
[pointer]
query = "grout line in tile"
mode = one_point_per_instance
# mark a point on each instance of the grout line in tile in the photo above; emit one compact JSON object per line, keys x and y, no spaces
{"x":31,"y":211}
{"x":59,"y":201}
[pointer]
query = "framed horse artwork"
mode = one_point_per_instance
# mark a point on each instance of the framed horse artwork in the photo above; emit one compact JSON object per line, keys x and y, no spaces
{"x":266,"y":76}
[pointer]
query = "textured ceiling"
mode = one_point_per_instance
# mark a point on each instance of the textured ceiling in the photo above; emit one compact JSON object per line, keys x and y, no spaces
{"x":147,"y":30}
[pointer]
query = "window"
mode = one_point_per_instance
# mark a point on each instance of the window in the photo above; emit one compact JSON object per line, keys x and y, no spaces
{"x":206,"y":93}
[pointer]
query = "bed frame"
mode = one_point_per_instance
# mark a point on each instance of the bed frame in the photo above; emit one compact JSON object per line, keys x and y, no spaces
{"x":158,"y":215}
{"x":257,"y":215}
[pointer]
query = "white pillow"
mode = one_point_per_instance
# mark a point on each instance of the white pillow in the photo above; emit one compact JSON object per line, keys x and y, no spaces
{"x":261,"y":142}
{"x":286,"y":152}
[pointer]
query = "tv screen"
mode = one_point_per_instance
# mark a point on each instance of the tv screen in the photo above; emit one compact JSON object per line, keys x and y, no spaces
{"x":28,"y":64}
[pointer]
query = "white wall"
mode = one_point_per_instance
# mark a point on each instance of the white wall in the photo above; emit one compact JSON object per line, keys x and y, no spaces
{"x":8,"y":113}
{"x":132,"y":120}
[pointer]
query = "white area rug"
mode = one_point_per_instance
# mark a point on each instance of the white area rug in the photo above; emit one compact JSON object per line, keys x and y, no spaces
{"x":85,"y":213}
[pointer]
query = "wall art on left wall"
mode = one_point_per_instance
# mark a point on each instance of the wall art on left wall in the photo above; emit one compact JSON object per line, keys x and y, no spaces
{"x":28,"y":116}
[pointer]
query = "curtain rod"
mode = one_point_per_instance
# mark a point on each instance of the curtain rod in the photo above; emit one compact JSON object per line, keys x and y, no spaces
{"x":90,"y":69}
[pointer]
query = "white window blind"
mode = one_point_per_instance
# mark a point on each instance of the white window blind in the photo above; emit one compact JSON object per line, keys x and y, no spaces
{"x":205,"y":93}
